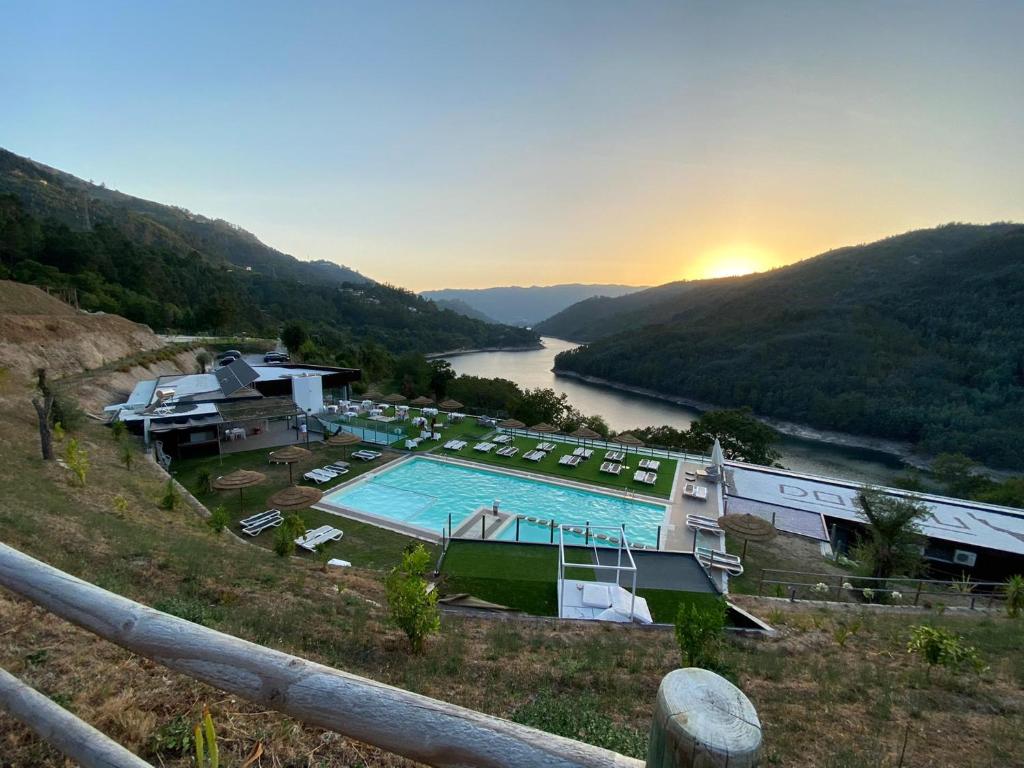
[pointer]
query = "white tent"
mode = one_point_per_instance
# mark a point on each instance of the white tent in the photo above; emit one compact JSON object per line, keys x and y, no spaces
{"x":717,"y":457}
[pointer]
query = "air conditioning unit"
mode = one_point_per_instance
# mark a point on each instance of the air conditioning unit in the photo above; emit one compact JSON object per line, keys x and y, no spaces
{"x":963,"y":557}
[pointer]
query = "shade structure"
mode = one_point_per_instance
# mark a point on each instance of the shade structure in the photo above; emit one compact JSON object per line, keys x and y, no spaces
{"x":450,"y":405}
{"x":240,"y":479}
{"x":747,"y":527}
{"x":512,"y":424}
{"x":295,"y":497}
{"x":717,"y":456}
{"x":344,"y":440}
{"x":374,"y":395}
{"x":627,"y":439}
{"x":290,"y":455}
{"x":543,"y":427}
{"x":393,"y":399}
{"x":421,"y":402}
{"x":585,"y":433}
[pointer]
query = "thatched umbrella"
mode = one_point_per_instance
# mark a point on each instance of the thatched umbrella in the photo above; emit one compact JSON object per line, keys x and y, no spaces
{"x":295,"y":497}
{"x":543,"y":427}
{"x":421,"y":402}
{"x":585,"y":433}
{"x":394,"y":399}
{"x":344,"y":440}
{"x":512,"y":424}
{"x":628,"y":440}
{"x":290,"y":455}
{"x":450,"y":405}
{"x":748,"y":528}
{"x":373,"y":395}
{"x":240,"y":479}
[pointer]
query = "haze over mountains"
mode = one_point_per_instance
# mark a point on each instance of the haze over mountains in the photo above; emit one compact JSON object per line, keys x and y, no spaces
{"x":526,"y":305}
{"x":918,"y":337}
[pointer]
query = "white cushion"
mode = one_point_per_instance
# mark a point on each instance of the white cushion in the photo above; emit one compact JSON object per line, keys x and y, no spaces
{"x":596,"y":596}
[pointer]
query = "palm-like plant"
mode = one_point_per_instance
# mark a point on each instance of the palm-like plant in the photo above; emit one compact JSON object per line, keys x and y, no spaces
{"x":893,"y":542}
{"x":1014,"y":592}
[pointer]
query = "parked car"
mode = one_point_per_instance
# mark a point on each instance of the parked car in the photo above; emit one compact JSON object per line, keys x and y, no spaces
{"x":232,"y":353}
{"x":276,"y":357}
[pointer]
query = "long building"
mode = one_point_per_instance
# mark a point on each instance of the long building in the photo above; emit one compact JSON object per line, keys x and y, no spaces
{"x":239,"y":406}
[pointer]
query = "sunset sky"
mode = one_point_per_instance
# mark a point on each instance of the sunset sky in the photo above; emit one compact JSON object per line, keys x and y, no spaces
{"x":470,"y":144}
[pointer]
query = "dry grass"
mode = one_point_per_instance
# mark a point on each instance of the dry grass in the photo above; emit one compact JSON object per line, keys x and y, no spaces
{"x":822,"y":703}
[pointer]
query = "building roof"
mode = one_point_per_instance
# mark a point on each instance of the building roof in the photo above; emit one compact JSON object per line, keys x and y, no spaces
{"x":235,"y":376}
{"x":954,"y":520}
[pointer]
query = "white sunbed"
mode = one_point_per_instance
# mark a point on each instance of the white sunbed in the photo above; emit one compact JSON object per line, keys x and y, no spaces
{"x":583,"y":453}
{"x":339,"y":466}
{"x":569,"y":460}
{"x":534,"y":455}
{"x":647,"y":478}
{"x":484,"y":447}
{"x":316,"y":477}
{"x":616,"y":456}
{"x":611,"y":467}
{"x":695,"y":491}
{"x":412,"y":444}
{"x":455,"y":445}
{"x":701,"y":523}
{"x":508,"y":450}
{"x":260,"y":527}
{"x":502,"y":439}
{"x":314,"y":537}
{"x":711,"y":558}
{"x":366,"y":455}
{"x":546,"y":447}
{"x":253,"y":519}
{"x":651,"y":464}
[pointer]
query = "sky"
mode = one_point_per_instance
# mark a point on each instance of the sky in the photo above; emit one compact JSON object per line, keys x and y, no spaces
{"x":472,"y":144}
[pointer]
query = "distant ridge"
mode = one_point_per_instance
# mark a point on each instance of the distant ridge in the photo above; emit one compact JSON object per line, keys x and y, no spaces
{"x":526,"y":305}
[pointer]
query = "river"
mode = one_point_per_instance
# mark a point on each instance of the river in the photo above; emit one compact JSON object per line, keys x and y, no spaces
{"x":531,"y":369}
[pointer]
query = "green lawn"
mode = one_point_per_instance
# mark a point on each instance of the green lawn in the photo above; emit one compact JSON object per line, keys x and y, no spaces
{"x":524,"y":578}
{"x":364,"y":545}
{"x":587,"y":471}
{"x":467,"y":429}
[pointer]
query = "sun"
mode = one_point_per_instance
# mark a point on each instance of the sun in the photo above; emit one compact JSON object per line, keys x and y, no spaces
{"x":732,"y":261}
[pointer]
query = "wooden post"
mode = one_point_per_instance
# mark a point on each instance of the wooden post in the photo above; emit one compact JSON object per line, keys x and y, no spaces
{"x":55,"y":725}
{"x":702,"y":720}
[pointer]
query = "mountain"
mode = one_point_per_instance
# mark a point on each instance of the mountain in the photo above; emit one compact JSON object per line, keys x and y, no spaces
{"x":526,"y":306}
{"x":458,"y":305}
{"x":177,"y":271}
{"x":918,"y":337}
{"x":48,"y":193}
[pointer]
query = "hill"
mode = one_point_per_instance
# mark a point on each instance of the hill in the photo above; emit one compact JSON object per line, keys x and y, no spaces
{"x":526,"y":306}
{"x":175,"y":271}
{"x":458,"y":305}
{"x":916,"y":337}
{"x":48,"y":193}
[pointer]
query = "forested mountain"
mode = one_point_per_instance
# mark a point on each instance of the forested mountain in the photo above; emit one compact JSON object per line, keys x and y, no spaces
{"x":520,"y":305}
{"x":48,"y":193}
{"x":457,"y":305}
{"x":155,"y":280}
{"x":919,"y":337}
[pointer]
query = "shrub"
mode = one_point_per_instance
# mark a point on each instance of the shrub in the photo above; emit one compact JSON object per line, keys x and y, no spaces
{"x":580,"y":717}
{"x":286,"y":533}
{"x":699,"y":631}
{"x":118,"y":430}
{"x":219,"y":518}
{"x":77,"y":460}
{"x":120,"y":504}
{"x":939,"y":647}
{"x":67,"y":411}
{"x":127,"y":455}
{"x":173,"y":738}
{"x":1014,"y":592}
{"x":171,"y":498}
{"x":58,"y":432}
{"x":205,"y":736}
{"x":412,"y":608}
{"x":205,"y":481}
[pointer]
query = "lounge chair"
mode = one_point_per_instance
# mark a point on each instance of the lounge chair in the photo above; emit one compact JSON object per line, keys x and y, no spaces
{"x":583,"y":453}
{"x":258,"y":528}
{"x":316,"y":477}
{"x":546,"y":447}
{"x":651,"y":464}
{"x":711,"y":558}
{"x":507,"y":451}
{"x":611,"y":468}
{"x":569,"y":460}
{"x":366,"y":455}
{"x":337,"y":472}
{"x":484,"y":447}
{"x":616,"y":456}
{"x":253,"y":519}
{"x":330,"y":473}
{"x":314,"y":537}
{"x":695,"y":491}
{"x":690,"y":476}
{"x":534,"y":455}
{"x":502,"y":439}
{"x":701,"y":523}
{"x":647,"y":478}
{"x":338,"y":466}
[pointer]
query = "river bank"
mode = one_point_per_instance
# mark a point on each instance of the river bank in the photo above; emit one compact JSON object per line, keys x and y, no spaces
{"x":904,"y":451}
{"x":460,"y":352}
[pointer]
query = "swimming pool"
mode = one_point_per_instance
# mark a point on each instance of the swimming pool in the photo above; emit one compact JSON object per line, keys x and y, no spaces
{"x":423,"y":492}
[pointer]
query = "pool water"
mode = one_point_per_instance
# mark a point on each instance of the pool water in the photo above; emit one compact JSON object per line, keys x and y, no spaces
{"x":423,"y":492}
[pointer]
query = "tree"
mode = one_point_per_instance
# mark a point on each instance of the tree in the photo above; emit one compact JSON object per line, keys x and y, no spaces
{"x":892,"y":542}
{"x":441,"y":375}
{"x":43,"y":403}
{"x":412,"y":608}
{"x":285,"y":535}
{"x":699,"y":630}
{"x":293,"y":335}
{"x":203,"y":360}
{"x":127,"y":455}
{"x":743,"y":437}
{"x":958,"y":473}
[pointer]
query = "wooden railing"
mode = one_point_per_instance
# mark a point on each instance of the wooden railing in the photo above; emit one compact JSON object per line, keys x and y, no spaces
{"x":420,"y":728}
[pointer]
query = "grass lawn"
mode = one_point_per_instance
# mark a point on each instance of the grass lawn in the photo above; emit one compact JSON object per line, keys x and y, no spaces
{"x":587,"y":471}
{"x":364,"y":545}
{"x":785,"y":552}
{"x":467,"y":429}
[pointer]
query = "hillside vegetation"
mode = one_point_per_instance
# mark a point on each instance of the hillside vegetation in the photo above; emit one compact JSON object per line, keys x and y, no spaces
{"x":210,"y":277}
{"x":917,"y":337}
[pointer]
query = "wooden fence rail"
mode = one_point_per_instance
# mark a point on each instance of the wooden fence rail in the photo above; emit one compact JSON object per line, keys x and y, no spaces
{"x":423,"y":729}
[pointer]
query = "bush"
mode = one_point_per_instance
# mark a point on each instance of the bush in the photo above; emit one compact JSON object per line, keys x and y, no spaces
{"x":939,"y":647}
{"x":579,"y":717}
{"x":412,"y":608}
{"x":286,"y":533}
{"x":77,"y":460}
{"x":118,"y":430}
{"x":1014,"y":592}
{"x":205,"y":480}
{"x":699,"y":631}
{"x":219,"y":518}
{"x":171,"y":498}
{"x":67,"y":411}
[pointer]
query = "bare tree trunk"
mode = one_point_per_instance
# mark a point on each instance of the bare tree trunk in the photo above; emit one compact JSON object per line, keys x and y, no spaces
{"x":43,"y":408}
